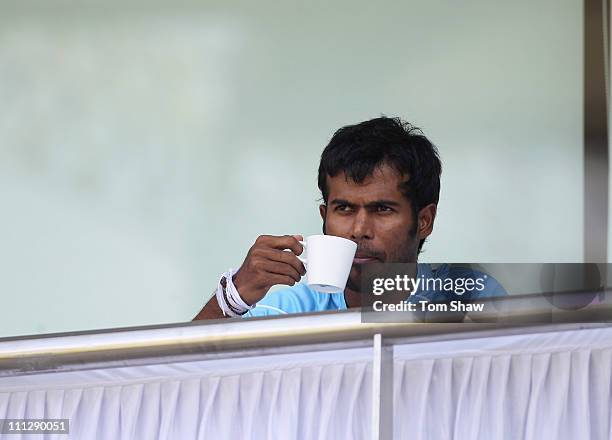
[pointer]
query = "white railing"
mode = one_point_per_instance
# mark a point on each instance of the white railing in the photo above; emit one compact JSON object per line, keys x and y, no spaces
{"x":339,"y":364}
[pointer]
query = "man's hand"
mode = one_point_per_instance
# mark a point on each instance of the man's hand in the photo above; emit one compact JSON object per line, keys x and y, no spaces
{"x":267,"y":263}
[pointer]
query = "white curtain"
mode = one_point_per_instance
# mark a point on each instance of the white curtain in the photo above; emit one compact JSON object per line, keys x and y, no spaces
{"x":541,"y":386}
{"x":553,"y":385}
{"x":307,"y":396}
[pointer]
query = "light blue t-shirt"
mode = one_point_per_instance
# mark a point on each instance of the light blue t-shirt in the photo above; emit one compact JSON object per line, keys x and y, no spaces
{"x":302,"y":299}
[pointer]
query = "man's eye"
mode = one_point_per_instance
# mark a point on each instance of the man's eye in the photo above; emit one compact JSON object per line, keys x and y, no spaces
{"x":343,"y":208}
{"x":383,"y":208}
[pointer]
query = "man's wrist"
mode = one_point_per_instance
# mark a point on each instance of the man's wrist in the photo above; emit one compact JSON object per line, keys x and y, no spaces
{"x":234,"y":309}
{"x":229,"y":300}
{"x":242,"y":289}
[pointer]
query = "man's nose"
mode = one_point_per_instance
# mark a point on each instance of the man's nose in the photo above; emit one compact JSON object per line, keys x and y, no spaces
{"x":362,"y":226}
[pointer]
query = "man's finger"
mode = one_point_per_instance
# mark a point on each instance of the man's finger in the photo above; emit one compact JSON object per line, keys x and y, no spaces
{"x":285,"y":242}
{"x":284,"y":257}
{"x":275,"y":279}
{"x":281,"y":268}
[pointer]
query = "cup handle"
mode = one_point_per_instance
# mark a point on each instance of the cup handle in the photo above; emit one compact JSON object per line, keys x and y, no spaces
{"x":303,"y":259}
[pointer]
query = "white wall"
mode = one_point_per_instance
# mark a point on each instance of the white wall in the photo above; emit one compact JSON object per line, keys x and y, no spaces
{"x":142,"y":150}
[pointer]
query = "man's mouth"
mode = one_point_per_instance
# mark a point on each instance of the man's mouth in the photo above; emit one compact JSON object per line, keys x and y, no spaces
{"x":364,"y":259}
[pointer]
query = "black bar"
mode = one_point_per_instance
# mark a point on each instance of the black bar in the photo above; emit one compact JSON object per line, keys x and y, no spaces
{"x":596,"y":150}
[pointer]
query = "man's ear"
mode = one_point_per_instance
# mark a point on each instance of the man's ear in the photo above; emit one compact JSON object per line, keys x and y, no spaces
{"x":427,"y":216}
{"x":323,"y":212}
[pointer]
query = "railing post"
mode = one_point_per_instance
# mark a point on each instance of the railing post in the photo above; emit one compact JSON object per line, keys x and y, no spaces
{"x":382,"y":390}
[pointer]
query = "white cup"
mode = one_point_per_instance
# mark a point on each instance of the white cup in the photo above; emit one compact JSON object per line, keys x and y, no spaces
{"x":328,"y":262}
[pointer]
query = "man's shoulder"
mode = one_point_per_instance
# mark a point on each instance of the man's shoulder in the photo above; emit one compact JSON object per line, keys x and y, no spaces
{"x":482,"y":284}
{"x":296,"y":299}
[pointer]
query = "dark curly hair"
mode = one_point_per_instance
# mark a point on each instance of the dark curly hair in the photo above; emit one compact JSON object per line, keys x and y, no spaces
{"x":357,"y":150}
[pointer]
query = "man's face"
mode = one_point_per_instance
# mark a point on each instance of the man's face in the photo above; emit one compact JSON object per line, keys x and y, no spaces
{"x":375,"y":215}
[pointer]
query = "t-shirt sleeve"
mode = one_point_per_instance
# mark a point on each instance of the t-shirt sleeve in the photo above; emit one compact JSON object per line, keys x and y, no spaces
{"x":270,"y":305}
{"x":296,"y":299}
{"x":483,"y":284}
{"x":492,"y":288}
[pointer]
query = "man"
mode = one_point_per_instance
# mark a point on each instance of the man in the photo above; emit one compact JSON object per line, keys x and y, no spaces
{"x":380,"y":183}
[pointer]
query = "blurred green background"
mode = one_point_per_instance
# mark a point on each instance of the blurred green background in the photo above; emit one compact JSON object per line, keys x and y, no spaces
{"x":144,"y":147}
